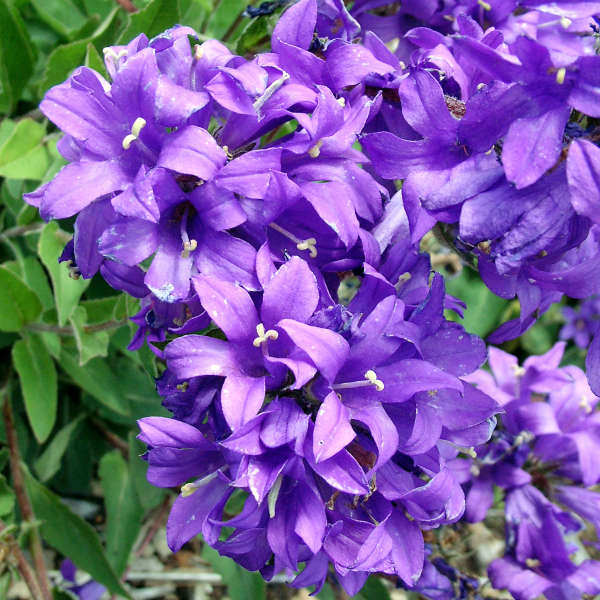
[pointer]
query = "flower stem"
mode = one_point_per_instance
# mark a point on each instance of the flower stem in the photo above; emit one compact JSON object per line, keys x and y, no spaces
{"x":47,"y":327}
{"x":22,"y":498}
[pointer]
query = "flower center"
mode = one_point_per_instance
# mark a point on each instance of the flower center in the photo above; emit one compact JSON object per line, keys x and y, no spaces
{"x":263,"y":336}
{"x":136,"y":128}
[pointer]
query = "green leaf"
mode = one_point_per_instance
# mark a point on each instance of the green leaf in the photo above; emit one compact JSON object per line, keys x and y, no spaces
{"x":101,"y":310}
{"x":256,"y":33}
{"x":484,"y":308}
{"x":123,"y":510}
{"x":194,"y":12}
{"x":71,"y":535}
{"x":61,"y":62}
{"x":35,"y":277}
{"x":93,"y":60}
{"x":152,"y":20}
{"x":48,"y":464}
{"x":148,"y":495}
{"x":17,"y":57}
{"x":7,"y":497}
{"x":67,"y":57}
{"x":18,"y":303}
{"x":67,"y":291}
{"x":61,"y":15}
{"x":89,"y":345}
{"x":23,"y":155}
{"x":223,"y":17}
{"x":37,"y":375}
{"x":374,"y":589}
{"x":241,"y":584}
{"x":97,"y":379}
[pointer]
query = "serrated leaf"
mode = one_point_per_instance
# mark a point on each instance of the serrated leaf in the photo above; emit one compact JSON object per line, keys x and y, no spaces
{"x":48,"y":464}
{"x":223,"y":17}
{"x":93,"y":60}
{"x":37,"y":375}
{"x":17,"y":57}
{"x":98,"y":380}
{"x":19,"y":304}
{"x":89,"y":345}
{"x":152,"y":20}
{"x":71,"y":535}
{"x":67,"y":291}
{"x":123,"y":510}
{"x":241,"y":584}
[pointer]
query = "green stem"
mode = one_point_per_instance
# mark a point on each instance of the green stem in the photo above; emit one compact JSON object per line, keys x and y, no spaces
{"x":69,"y":331}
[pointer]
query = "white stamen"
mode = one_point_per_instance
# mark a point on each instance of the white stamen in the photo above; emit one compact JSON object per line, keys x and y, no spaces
{"x":484,"y":5}
{"x":136,"y":128}
{"x":316,"y":149}
{"x":188,"y":247}
{"x":309,"y":244}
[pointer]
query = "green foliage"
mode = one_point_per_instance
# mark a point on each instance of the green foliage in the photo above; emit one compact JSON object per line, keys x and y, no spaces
{"x":23,"y":154}
{"x":67,"y":290}
{"x":241,"y":584}
{"x":17,"y":57}
{"x":123,"y":511}
{"x":37,"y":375}
{"x":484,"y":309}
{"x":71,"y":535}
{"x":18,"y":303}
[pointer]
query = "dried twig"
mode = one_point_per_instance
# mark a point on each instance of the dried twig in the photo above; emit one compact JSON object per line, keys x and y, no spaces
{"x":22,"y":564}
{"x":127,"y":5}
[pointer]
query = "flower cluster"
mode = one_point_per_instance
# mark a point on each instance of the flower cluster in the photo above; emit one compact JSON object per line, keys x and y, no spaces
{"x":543,"y":458}
{"x":267,"y":212}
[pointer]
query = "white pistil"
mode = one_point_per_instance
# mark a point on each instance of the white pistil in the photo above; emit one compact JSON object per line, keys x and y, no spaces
{"x":136,"y":128}
{"x":188,"y":247}
{"x":484,"y":5}
{"x":560,"y":75}
{"x":370,"y":380}
{"x":273,"y":495}
{"x":266,"y":96}
{"x":309,"y":244}
{"x":316,"y":149}
{"x":263,"y":336}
